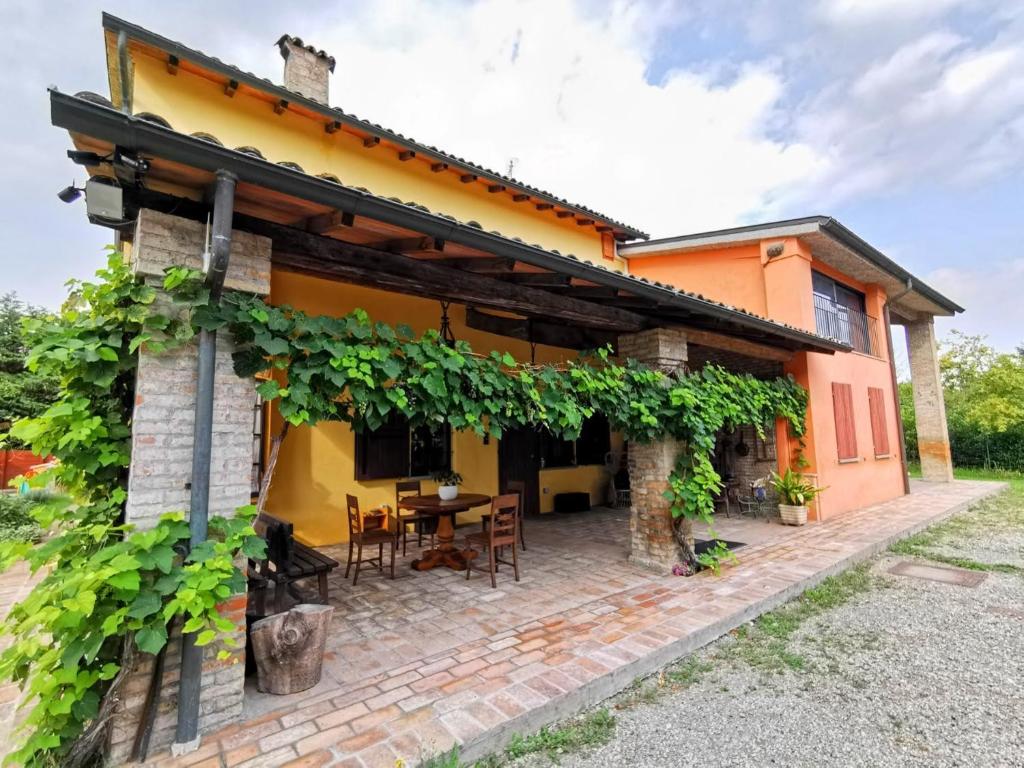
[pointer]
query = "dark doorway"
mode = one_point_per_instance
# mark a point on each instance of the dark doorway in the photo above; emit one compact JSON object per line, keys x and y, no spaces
{"x":519,"y":459}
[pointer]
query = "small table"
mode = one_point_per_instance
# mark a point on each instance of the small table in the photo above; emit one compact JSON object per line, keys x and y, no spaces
{"x":445,"y":553}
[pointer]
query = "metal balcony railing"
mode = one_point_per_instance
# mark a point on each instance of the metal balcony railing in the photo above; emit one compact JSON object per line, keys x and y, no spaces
{"x":850,"y":326}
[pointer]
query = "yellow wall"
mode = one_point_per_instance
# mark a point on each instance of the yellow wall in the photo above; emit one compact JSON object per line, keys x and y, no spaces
{"x":192,"y":104}
{"x":316,"y":467}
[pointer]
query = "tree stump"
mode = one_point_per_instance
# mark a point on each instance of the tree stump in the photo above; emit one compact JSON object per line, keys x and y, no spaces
{"x":289,"y":648}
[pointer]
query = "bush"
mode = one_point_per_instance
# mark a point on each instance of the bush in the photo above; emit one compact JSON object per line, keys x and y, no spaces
{"x":16,"y":521}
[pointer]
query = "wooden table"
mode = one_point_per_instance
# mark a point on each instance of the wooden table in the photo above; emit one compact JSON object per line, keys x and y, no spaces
{"x":445,"y":553}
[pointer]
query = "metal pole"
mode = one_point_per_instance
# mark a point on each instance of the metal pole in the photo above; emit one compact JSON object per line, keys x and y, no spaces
{"x":187,"y":734}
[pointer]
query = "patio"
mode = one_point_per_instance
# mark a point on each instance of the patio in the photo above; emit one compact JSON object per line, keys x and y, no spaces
{"x":427,"y":660}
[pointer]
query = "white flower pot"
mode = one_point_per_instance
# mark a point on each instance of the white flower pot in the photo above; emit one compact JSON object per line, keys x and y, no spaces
{"x":793,"y":515}
{"x":448,"y":492}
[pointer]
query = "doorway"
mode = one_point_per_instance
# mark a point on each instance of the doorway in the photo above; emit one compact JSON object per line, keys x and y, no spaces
{"x":519,"y":459}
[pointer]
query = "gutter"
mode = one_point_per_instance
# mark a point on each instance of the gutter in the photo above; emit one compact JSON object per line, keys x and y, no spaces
{"x":187,"y":736}
{"x":91,"y":119}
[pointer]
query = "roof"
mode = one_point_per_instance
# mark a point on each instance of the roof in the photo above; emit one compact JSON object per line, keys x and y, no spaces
{"x":662,"y":304}
{"x":831,"y":242}
{"x":205,"y":61}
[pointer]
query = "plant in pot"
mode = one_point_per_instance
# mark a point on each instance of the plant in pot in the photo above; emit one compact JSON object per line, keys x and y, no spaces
{"x":447,"y":484}
{"x":795,"y":493}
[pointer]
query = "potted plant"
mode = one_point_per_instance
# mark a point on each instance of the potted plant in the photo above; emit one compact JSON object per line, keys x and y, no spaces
{"x":447,"y":484}
{"x":795,"y":493}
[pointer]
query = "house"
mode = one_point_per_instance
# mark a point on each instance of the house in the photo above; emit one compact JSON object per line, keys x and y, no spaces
{"x":328,"y":212}
{"x":816,"y":274}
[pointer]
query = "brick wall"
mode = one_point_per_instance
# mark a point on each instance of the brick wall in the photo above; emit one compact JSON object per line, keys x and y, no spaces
{"x":306,"y":72}
{"x":929,"y":407}
{"x":160,"y":472}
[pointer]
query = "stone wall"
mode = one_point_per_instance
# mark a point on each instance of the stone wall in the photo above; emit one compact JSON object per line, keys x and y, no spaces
{"x":160,"y":473}
{"x":306,"y":72}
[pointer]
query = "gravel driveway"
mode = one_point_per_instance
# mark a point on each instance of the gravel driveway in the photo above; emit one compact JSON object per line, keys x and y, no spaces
{"x":905,"y":673}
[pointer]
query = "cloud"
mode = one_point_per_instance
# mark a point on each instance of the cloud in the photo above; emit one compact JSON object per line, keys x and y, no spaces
{"x":992,"y":291}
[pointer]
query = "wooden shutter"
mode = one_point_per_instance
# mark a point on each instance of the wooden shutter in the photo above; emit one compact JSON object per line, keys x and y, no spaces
{"x":846,"y":432}
{"x":879,"y":431}
{"x":384,"y":452}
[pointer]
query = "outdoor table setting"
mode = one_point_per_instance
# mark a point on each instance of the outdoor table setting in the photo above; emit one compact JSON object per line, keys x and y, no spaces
{"x":445,"y":553}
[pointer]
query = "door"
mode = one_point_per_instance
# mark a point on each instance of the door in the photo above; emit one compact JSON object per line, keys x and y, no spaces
{"x":519,"y":459}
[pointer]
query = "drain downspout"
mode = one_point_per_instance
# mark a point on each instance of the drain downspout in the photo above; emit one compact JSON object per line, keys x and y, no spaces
{"x":187,"y":735}
{"x":896,"y":384}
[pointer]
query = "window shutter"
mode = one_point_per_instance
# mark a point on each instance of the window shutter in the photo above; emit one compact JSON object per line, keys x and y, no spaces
{"x":384,"y":452}
{"x":879,"y":431}
{"x":846,"y":433}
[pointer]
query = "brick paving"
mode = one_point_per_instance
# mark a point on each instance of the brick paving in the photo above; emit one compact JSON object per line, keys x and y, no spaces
{"x":418,"y":664}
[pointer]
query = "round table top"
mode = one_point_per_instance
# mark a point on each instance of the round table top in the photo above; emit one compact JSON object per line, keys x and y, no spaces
{"x":434,"y":503}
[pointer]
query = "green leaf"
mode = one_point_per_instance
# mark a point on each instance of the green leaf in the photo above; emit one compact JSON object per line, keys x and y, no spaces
{"x":151,"y":638}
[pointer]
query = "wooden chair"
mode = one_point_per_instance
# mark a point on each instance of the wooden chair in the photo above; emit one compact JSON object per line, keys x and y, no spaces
{"x":503,"y":531}
{"x":518,"y":487}
{"x":287,"y":561}
{"x":358,"y":538}
{"x":422,"y":524}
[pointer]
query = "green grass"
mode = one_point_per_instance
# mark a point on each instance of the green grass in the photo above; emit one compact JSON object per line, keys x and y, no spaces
{"x":1002,"y":512}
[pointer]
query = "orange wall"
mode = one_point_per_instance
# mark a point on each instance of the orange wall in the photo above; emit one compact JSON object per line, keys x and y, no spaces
{"x":780,"y":288}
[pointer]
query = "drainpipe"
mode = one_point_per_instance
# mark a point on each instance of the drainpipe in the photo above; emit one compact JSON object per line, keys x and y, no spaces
{"x":895,"y":382}
{"x":187,"y":735}
{"x":122,"y":72}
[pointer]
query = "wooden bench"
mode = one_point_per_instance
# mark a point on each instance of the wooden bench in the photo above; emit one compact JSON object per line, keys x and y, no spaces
{"x":287,"y":561}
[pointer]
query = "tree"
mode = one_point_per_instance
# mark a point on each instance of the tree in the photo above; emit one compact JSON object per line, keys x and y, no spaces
{"x":22,"y":394}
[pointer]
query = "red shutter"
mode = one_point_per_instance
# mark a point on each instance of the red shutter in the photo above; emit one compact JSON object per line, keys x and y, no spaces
{"x":879,"y":431}
{"x":846,"y":432}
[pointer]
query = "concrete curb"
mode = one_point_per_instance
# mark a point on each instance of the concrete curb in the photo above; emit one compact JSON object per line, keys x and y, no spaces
{"x":595,"y":691}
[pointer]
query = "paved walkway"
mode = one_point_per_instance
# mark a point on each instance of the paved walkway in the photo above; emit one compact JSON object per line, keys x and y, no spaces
{"x":587,"y":645}
{"x":418,"y":664}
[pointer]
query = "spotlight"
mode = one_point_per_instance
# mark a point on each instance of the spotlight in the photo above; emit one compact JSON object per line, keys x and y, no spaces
{"x":88,"y":159}
{"x":70,"y":193}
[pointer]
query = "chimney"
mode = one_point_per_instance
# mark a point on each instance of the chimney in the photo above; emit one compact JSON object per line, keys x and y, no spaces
{"x":306,"y":70}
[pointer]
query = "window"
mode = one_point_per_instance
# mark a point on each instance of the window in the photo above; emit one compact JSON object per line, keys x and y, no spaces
{"x":556,"y":452}
{"x":595,"y":441}
{"x":846,"y":433}
{"x":764,"y":447}
{"x":394,"y":450}
{"x":839,"y":313}
{"x":879,"y":430}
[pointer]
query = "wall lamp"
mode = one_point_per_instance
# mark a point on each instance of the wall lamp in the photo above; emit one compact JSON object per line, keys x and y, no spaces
{"x":70,"y":193}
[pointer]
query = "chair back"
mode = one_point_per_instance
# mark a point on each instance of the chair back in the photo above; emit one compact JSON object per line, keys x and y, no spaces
{"x":355,"y":520}
{"x":518,"y":487}
{"x":279,"y":535}
{"x":405,"y":488}
{"x":504,"y":519}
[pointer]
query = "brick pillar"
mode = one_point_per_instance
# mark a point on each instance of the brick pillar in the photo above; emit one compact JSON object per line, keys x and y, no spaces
{"x":929,"y":407}
{"x":650,"y":523}
{"x":306,"y":70}
{"x":160,"y":472}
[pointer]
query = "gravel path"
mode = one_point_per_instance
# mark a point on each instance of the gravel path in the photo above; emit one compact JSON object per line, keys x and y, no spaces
{"x":909,"y":673}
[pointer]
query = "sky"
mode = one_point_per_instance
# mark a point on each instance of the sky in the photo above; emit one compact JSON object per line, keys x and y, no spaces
{"x":904,"y":119}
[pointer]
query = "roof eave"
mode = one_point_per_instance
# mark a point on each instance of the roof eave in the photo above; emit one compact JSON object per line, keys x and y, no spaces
{"x":115,"y":24}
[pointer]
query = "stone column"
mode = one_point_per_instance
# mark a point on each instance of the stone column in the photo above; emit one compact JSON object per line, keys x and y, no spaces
{"x":650,"y":524}
{"x":929,"y":407}
{"x":161,"y":448}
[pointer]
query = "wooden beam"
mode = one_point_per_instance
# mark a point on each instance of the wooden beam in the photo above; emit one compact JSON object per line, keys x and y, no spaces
{"x":406,"y":154}
{"x":172,"y":64}
{"x":521,"y":197}
{"x":328,"y":222}
{"x":733,"y":344}
{"x":492,"y":188}
{"x":590,"y":293}
{"x":539,"y":331}
{"x":230,"y":88}
{"x":484,"y":265}
{"x":333,"y":127}
{"x":466,"y":178}
{"x":281,"y":107}
{"x":438,"y":167}
{"x":584,"y":222}
{"x":418,"y":243}
{"x":564,"y":214}
{"x":371,"y":141}
{"x":539,"y":278}
{"x":544,"y":206}
{"x":301,"y":251}
{"x":603,"y":228}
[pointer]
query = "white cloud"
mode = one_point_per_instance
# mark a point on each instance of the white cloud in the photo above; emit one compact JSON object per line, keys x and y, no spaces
{"x":991,"y":290}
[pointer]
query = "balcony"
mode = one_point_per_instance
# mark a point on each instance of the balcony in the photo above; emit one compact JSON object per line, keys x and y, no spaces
{"x":845,"y":324}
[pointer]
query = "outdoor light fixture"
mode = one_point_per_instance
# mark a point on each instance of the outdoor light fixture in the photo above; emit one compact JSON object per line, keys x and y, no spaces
{"x":70,"y":193}
{"x":88,"y":159}
{"x":104,"y":201}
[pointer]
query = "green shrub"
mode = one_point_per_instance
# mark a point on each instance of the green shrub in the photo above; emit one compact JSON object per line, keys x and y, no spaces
{"x":16,"y":521}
